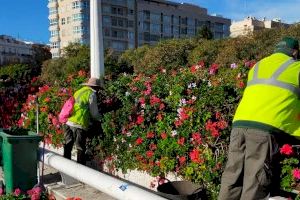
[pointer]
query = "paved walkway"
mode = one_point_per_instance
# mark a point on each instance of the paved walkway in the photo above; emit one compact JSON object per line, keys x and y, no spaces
{"x":52,"y":181}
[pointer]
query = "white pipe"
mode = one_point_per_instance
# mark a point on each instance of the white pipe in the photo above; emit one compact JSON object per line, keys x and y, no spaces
{"x":110,"y":185}
{"x":96,"y":39}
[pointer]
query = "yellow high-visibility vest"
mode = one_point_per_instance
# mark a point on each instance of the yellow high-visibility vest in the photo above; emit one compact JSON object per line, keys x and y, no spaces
{"x":272,"y":96}
{"x":81,"y":113}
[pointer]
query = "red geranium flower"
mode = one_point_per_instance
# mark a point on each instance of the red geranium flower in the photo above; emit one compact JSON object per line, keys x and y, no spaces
{"x":140,"y":119}
{"x":139,"y":141}
{"x":296,"y":173}
{"x":149,"y":154}
{"x":286,"y":149}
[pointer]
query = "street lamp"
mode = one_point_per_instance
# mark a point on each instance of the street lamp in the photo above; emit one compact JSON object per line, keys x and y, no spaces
{"x":96,"y":40}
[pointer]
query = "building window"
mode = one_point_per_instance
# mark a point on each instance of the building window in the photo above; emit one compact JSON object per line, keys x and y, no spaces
{"x":155,"y":28}
{"x":53,"y":22}
{"x":130,"y":24}
{"x":55,"y":55}
{"x":76,"y":4}
{"x":131,"y":35}
{"x":68,"y":20}
{"x":63,"y":21}
{"x":166,"y":19}
{"x":106,"y":20}
{"x":106,"y":32}
{"x":167,"y":29}
{"x":183,"y":31}
{"x":78,"y":17}
{"x":53,"y":10}
{"x":54,"y":33}
{"x":146,"y":15}
{"x":155,"y":18}
{"x":146,"y":26}
{"x":78,"y":29}
{"x":118,"y":45}
{"x":106,"y":9}
{"x":54,"y":45}
{"x":184,"y":20}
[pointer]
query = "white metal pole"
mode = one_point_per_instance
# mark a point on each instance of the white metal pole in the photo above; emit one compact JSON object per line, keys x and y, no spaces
{"x":96,"y":39}
{"x":110,"y":185}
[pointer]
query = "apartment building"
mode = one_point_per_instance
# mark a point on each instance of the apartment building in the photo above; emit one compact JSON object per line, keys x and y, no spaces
{"x":14,"y":51}
{"x":251,"y":24}
{"x":129,"y":23}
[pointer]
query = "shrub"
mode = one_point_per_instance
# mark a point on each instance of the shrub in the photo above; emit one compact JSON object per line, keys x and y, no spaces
{"x":167,"y":54}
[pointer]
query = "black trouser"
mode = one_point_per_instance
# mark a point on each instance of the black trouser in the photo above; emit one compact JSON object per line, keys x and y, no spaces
{"x":248,"y":173}
{"x":78,"y":136}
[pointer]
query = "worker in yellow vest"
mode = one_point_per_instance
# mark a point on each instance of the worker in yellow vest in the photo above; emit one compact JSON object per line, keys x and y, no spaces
{"x":268,"y":112}
{"x":84,"y":111}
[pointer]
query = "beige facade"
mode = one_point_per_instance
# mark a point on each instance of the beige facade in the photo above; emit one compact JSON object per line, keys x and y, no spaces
{"x":251,"y":24}
{"x":129,"y":23}
{"x":14,"y":51}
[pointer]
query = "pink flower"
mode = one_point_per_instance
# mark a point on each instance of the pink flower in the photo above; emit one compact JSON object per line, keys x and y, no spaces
{"x":296,"y":173}
{"x":213,"y":69}
{"x":286,"y":149}
{"x":17,"y":192}
{"x":142,"y":100}
{"x":1,"y":191}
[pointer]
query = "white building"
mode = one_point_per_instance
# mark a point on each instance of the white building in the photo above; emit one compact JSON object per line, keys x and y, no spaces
{"x":14,"y":51}
{"x":251,"y":24}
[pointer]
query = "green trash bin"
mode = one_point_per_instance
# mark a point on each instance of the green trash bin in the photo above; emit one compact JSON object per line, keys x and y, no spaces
{"x":19,"y":160}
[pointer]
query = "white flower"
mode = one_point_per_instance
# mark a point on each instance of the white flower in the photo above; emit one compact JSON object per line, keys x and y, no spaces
{"x":129,"y":145}
{"x":128,"y":134}
{"x":179,"y":110}
{"x":194,"y":85}
{"x":233,"y":66}
{"x":170,"y":93}
{"x":115,"y":139}
{"x":123,"y":140}
{"x":174,"y":132}
{"x":194,"y":97}
{"x":209,"y":83}
{"x":127,"y":93}
{"x":182,"y":102}
{"x":190,"y":86}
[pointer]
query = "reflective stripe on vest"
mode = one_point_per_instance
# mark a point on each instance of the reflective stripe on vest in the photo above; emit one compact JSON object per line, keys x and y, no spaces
{"x":273,"y":79}
{"x":272,"y":95}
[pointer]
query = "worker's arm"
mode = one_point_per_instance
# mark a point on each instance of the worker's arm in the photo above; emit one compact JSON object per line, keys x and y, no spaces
{"x":93,"y":107}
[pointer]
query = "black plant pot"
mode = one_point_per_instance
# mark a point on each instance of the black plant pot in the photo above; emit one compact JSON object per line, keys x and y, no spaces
{"x":182,"y":190}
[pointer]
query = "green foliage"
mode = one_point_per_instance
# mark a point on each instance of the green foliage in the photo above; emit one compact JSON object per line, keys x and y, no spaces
{"x":206,"y":50}
{"x":168,"y":54}
{"x":204,"y":33}
{"x":14,"y":74}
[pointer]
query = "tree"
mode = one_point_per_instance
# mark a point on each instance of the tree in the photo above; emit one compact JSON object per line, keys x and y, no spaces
{"x":204,"y":33}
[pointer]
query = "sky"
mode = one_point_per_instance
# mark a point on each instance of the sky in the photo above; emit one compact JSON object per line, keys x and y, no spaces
{"x":28,"y":19}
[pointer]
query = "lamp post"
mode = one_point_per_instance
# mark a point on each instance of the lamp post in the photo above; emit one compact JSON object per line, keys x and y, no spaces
{"x":96,"y":40}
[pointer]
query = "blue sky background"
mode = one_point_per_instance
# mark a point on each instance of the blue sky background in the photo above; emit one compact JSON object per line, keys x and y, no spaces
{"x":28,"y":19}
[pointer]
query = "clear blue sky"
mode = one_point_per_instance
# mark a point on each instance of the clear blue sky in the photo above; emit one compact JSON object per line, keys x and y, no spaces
{"x":28,"y":19}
